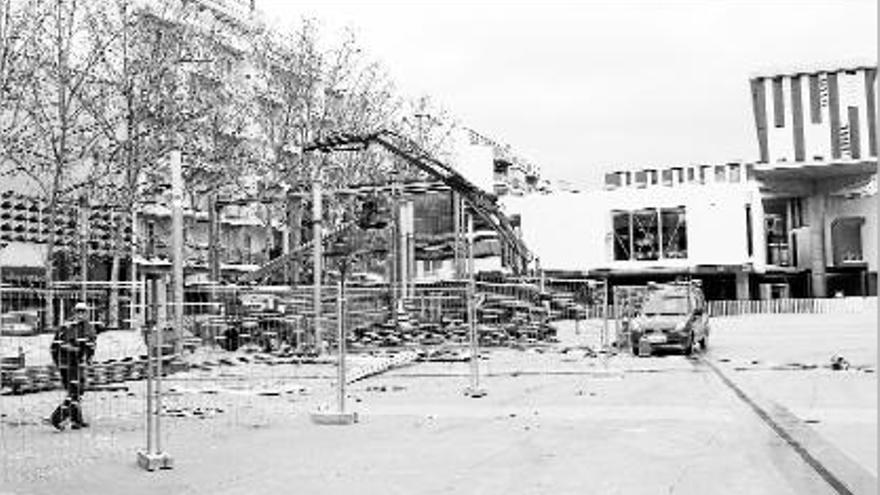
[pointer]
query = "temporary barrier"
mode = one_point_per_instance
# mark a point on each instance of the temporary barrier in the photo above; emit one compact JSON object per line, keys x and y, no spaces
{"x":840,"y":305}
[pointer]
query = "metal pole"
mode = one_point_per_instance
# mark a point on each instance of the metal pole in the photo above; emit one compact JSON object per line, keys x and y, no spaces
{"x":318,"y":255}
{"x":177,"y":239}
{"x":340,"y":345}
{"x":404,"y":265}
{"x":472,"y":314}
{"x":84,"y":245}
{"x":393,"y":249}
{"x":456,"y":230}
{"x":132,"y":306}
{"x":605,"y":310}
{"x":159,"y":354}
{"x":150,"y":356}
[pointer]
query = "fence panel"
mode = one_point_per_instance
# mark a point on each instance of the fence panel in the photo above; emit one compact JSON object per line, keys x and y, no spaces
{"x":841,"y":305}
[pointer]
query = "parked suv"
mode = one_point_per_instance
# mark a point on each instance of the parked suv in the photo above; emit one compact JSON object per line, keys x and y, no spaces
{"x":672,"y":315}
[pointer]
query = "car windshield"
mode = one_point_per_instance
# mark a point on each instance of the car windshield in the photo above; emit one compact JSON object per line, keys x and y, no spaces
{"x":666,"y":304}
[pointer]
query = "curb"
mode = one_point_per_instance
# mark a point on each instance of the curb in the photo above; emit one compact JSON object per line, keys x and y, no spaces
{"x":843,"y":474}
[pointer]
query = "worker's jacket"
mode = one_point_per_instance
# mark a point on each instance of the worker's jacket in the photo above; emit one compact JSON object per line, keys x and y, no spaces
{"x":74,"y":343}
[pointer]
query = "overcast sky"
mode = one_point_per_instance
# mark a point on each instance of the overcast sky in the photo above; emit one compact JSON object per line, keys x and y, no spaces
{"x":581,"y":87}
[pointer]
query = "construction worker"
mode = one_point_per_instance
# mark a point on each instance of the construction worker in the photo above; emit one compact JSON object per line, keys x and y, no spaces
{"x":72,"y":348}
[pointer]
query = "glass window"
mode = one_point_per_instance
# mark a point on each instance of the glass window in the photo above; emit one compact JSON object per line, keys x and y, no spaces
{"x":641,"y":178}
{"x":612,"y":180}
{"x":749,"y":246}
{"x":720,"y":173}
{"x":667,"y":304}
{"x":646,"y":240}
{"x":704,"y":172}
{"x":622,"y":238}
{"x":674,"y":228}
{"x":652,"y":177}
{"x":734,"y":172}
{"x":667,"y":177}
{"x":691,"y":174}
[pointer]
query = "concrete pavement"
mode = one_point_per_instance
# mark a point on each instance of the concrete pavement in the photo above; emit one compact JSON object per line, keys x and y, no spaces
{"x":552,"y":422}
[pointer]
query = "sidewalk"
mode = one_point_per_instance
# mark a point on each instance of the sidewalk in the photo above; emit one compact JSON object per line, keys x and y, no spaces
{"x":786,"y":359}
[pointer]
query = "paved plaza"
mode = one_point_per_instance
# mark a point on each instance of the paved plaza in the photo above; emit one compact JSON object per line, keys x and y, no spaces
{"x":552,"y":421}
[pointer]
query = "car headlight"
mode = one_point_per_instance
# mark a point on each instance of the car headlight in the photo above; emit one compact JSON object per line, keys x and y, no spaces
{"x":680,"y":327}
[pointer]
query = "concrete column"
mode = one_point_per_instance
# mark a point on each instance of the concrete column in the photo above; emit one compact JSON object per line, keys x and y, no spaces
{"x":742,"y":286}
{"x":816,"y":204}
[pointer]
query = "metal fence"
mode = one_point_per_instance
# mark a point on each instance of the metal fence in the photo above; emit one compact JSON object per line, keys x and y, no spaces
{"x":841,"y":305}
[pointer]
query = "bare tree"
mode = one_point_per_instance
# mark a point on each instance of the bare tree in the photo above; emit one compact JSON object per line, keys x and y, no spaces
{"x":59,"y":145}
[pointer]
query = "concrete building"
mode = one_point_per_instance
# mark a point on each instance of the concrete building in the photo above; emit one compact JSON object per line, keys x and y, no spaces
{"x":817,"y":142}
{"x":799,"y":222}
{"x":654,"y":225}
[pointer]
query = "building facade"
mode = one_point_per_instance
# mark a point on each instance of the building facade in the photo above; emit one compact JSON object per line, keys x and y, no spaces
{"x":801,"y":221}
{"x":817,"y":142}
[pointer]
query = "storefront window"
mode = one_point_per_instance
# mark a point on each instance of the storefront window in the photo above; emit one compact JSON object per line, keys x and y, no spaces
{"x":646,"y":240}
{"x":674,"y":228}
{"x":622,"y":238}
{"x":650,"y":234}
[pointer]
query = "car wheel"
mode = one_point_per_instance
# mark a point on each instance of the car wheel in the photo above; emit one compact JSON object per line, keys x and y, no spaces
{"x":689,"y":345}
{"x":704,"y":342}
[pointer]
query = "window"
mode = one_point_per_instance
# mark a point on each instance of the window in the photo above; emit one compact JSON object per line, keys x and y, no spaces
{"x":674,"y":232}
{"x":846,"y":239}
{"x":691,"y":176}
{"x":667,"y":177}
{"x":797,"y":213}
{"x":646,"y":239}
{"x":678,"y":175}
{"x":734,"y":172}
{"x":704,"y":172}
{"x":749,"y":246}
{"x":652,"y":177}
{"x":650,"y":234}
{"x":622,"y":224}
{"x":612,"y":180}
{"x":720,"y":173}
{"x":641,"y":178}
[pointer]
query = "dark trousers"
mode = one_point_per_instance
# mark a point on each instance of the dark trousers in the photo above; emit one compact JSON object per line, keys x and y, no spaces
{"x":74,"y":381}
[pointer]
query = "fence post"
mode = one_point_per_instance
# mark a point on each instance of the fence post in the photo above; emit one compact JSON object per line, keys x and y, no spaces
{"x":474,"y":390}
{"x":153,"y":457}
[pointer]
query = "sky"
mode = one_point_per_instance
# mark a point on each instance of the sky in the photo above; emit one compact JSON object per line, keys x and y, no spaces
{"x":580,"y":88}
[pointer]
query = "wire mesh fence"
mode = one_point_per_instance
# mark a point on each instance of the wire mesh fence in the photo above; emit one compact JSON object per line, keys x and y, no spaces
{"x":247,"y":357}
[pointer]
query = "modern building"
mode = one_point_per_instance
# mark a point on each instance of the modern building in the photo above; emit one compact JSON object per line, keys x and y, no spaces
{"x":817,"y":142}
{"x":801,"y":221}
{"x":655,"y":224}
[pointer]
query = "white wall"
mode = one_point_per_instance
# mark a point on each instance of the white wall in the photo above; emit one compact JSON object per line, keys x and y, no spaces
{"x":573,"y":231}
